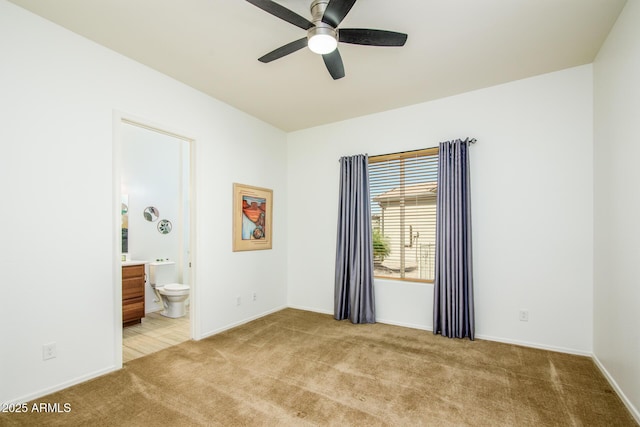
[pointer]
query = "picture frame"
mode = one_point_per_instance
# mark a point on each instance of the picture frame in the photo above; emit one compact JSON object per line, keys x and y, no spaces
{"x":252,"y":218}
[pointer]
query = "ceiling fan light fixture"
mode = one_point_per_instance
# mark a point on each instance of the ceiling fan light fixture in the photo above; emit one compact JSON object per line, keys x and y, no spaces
{"x":323,"y":34}
{"x":322,"y":40}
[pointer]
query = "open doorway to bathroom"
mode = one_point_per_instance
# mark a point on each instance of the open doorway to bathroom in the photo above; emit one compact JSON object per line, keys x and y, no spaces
{"x":155,"y":187}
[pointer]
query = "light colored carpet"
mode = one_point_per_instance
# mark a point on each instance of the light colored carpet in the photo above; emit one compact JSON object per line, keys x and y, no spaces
{"x":301,"y":368}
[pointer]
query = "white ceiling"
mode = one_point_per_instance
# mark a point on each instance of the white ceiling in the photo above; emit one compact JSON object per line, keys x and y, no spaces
{"x":454,"y":46}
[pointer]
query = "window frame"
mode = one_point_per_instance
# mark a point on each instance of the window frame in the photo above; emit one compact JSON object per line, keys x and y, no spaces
{"x":433,"y":151}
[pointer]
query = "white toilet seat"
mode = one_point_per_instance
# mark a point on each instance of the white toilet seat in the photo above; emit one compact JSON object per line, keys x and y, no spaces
{"x":174,"y":289}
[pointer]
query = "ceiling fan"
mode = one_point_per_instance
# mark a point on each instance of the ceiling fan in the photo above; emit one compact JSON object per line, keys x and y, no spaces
{"x":323,"y":34}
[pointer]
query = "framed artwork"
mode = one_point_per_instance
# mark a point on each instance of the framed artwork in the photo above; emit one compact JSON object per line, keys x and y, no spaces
{"x":252,"y":218}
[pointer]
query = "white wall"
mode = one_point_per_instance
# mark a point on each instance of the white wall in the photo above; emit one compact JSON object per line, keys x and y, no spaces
{"x":152,"y":174}
{"x":532,"y":184}
{"x":617,"y":203}
{"x":58,"y":96}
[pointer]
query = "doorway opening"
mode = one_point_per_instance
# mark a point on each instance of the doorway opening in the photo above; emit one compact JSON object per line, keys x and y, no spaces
{"x":156,"y":239}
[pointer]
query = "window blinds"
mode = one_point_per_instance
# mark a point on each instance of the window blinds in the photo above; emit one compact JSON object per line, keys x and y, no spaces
{"x":403,"y":190}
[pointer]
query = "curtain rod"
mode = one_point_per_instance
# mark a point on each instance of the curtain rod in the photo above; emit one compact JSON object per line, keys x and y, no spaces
{"x":470,"y":140}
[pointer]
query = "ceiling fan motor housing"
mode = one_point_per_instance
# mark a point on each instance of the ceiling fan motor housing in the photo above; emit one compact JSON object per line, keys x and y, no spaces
{"x":317,"y":10}
{"x":322,"y":37}
{"x":321,"y":30}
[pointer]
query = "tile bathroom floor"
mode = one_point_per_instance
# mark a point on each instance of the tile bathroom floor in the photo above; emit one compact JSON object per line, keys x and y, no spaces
{"x":155,"y":333}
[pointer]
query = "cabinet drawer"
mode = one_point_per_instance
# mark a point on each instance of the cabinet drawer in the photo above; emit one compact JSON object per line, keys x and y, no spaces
{"x":132,"y":309}
{"x":132,"y":288}
{"x":133,"y":271}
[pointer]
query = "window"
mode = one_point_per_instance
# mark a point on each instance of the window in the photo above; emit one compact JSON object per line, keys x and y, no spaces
{"x":403,"y":209}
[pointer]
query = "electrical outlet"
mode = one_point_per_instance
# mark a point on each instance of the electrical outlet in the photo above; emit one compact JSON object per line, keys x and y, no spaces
{"x":255,"y":296}
{"x":49,"y":351}
{"x":524,"y":315}
{"x":238,"y":300}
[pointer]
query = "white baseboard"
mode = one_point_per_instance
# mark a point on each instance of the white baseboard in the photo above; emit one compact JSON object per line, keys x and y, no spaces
{"x":483,"y":337}
{"x":429,"y":328}
{"x":630,"y":406}
{"x":405,"y":325}
{"x":314,"y":310}
{"x":536,"y":345}
{"x":46,"y":391}
{"x":386,"y":322}
{"x":241,"y":322}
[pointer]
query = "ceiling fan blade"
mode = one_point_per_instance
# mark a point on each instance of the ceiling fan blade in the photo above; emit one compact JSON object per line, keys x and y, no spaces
{"x":283,"y":13}
{"x":371,"y":37}
{"x":284,"y":50}
{"x":334,"y":64}
{"x":336,"y":11}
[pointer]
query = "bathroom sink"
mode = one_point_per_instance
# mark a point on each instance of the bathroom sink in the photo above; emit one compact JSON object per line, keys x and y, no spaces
{"x":133,"y":262}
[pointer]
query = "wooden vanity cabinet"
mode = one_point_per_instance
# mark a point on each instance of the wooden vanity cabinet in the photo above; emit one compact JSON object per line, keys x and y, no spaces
{"x":133,"y":280}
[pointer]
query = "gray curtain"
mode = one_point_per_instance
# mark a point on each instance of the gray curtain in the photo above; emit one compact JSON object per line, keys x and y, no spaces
{"x":353,"y":297}
{"x":453,"y":313}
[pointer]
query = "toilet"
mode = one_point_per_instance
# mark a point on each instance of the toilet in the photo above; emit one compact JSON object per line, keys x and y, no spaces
{"x":162,"y":277}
